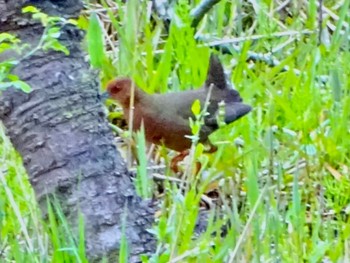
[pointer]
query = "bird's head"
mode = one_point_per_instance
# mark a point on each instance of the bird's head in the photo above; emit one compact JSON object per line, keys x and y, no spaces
{"x":120,"y":90}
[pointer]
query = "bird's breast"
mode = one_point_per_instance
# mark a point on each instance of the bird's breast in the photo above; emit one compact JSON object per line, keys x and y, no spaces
{"x":161,"y":129}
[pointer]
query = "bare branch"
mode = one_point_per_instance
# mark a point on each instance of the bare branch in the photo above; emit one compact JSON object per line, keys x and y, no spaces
{"x":198,"y":12}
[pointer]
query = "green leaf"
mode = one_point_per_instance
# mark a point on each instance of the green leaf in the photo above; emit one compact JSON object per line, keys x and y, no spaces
{"x":5,"y":85}
{"x":18,"y":84}
{"x":196,"y":107}
{"x":95,"y":42}
{"x":8,"y":37}
{"x":310,"y":149}
{"x":56,"y":45}
{"x":54,"y":32}
{"x":42,"y":17}
{"x":30,"y":9}
{"x":7,"y":65}
{"x":22,"y":85}
{"x":336,"y":84}
{"x":195,"y":129}
{"x":12,"y":77}
{"x":73,"y":22}
{"x":82,"y":23}
{"x":5,"y":46}
{"x":143,"y":183}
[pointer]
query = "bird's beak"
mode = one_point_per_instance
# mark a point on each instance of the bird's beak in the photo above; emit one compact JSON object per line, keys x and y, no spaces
{"x":104,"y":96}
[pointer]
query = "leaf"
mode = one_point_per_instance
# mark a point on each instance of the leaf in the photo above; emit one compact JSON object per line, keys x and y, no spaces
{"x":8,"y":64}
{"x":8,"y":37}
{"x":72,"y":21}
{"x":196,"y":107}
{"x":82,"y":23}
{"x":42,"y":17}
{"x":22,"y":86}
{"x":30,"y":9}
{"x":5,"y":85}
{"x":18,"y":84}
{"x":95,"y":42}
{"x":57,"y":46}
{"x":12,"y":77}
{"x":143,"y":184}
{"x":310,"y":149}
{"x":195,"y":130}
{"x":54,"y":32}
{"x":336,"y":84}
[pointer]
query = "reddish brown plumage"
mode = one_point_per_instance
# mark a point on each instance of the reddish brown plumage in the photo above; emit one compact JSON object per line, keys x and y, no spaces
{"x":166,"y":116}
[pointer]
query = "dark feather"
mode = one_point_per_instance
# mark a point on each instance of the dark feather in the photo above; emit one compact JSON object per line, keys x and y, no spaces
{"x":216,"y":73}
{"x":233,"y":111}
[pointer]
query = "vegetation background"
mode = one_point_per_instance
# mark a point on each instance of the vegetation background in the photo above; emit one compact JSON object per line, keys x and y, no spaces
{"x":280,"y":178}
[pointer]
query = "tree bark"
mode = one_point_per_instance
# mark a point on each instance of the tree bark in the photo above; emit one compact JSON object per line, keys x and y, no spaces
{"x":61,"y":131}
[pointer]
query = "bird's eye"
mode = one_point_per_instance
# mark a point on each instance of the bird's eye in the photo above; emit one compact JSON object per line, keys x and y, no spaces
{"x":114,"y":89}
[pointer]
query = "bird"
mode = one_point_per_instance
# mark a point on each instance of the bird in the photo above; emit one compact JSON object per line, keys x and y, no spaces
{"x":166,"y":117}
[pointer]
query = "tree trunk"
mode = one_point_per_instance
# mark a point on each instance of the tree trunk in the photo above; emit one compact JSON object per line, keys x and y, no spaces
{"x":61,"y":131}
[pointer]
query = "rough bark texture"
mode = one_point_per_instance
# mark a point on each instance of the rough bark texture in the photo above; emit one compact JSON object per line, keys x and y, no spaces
{"x":61,"y":132}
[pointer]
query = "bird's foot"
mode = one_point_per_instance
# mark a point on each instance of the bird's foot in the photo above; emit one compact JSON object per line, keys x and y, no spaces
{"x":178,"y":158}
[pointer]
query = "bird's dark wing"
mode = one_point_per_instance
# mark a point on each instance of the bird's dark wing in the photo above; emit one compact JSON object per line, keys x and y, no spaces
{"x":233,"y":111}
{"x":236,"y":110}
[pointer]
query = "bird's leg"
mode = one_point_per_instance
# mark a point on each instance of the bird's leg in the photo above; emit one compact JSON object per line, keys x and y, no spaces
{"x":212,"y":148}
{"x":178,"y":158}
